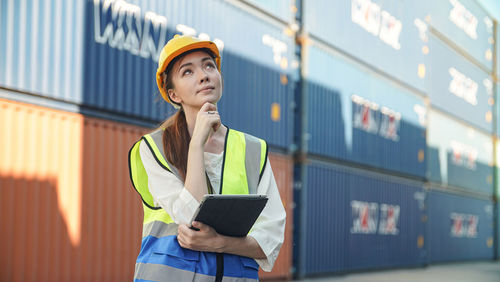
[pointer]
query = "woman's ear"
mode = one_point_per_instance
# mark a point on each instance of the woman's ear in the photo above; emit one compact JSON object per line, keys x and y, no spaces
{"x":173,"y":96}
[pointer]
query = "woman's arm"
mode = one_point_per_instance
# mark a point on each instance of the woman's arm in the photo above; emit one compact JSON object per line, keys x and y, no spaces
{"x":167,"y":190}
{"x":208,"y":240}
{"x":206,"y":125}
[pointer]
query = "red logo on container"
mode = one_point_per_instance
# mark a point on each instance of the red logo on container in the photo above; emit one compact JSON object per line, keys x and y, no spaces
{"x":365,"y":218}
{"x":464,"y":225}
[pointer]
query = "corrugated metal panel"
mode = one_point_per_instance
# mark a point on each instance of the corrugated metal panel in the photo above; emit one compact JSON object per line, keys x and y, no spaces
{"x":41,"y":47}
{"x":390,"y":35}
{"x":497,"y":107}
{"x":282,"y":168}
{"x":459,"y":155}
{"x":459,"y":87}
{"x":66,"y":203}
{"x":497,"y":168}
{"x":111,"y":209}
{"x":498,"y":231}
{"x":256,"y":64}
{"x":355,"y":219}
{"x":459,"y":228}
{"x":356,"y":115}
{"x":465,"y":23}
{"x":281,"y":9}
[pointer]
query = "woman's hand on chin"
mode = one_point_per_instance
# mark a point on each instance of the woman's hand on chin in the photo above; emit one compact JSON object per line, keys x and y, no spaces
{"x":207,"y":122}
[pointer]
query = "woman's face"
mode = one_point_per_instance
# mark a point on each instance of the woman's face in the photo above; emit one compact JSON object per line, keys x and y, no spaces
{"x":196,"y":81}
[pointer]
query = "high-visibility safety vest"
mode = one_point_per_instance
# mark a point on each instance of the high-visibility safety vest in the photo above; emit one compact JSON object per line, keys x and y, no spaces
{"x":161,"y":257}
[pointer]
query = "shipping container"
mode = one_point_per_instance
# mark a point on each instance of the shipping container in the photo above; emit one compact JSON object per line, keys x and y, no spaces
{"x":389,"y":35}
{"x":353,"y":219}
{"x":283,"y":168}
{"x":459,"y":87}
{"x":122,"y":45}
{"x":284,"y":10}
{"x":459,"y":228}
{"x":497,"y":169}
{"x":42,"y":47}
{"x":356,"y":115}
{"x":80,"y":219}
{"x":459,"y":155}
{"x":120,"y":42}
{"x":67,"y":206}
{"x":496,"y":102}
{"x":497,"y":238}
{"x":465,"y":24}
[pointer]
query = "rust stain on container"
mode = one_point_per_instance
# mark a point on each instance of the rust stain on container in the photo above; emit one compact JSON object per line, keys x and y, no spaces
{"x":67,"y":207}
{"x":283,"y":169}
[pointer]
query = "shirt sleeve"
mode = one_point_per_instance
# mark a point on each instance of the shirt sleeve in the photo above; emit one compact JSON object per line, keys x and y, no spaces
{"x":167,"y":190}
{"x":269,"y":228}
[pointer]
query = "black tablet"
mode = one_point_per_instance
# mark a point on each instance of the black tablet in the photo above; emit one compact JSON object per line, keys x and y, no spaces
{"x":230,"y":215}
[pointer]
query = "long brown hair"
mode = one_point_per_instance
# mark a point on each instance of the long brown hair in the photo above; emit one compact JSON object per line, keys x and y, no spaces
{"x":176,"y":136}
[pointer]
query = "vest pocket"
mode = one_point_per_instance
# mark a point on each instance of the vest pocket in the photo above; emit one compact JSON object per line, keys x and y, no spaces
{"x":168,"y":252}
{"x":250,"y":267}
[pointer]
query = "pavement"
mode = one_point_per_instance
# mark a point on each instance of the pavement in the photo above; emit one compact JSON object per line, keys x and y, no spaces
{"x":481,"y":271}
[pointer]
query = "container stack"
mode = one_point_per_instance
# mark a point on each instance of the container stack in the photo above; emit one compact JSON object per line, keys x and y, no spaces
{"x":380,"y":117}
{"x":77,"y":89}
{"x":397,"y":135}
{"x":460,"y":133}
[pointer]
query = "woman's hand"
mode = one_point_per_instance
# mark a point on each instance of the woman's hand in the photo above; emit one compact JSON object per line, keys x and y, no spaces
{"x":206,"y":239}
{"x":207,"y":122}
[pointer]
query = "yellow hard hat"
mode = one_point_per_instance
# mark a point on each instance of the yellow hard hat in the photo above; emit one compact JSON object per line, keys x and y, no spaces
{"x":177,"y":46}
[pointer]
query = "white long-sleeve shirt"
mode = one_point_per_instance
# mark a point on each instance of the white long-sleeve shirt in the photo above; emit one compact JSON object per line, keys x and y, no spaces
{"x":169,"y":192}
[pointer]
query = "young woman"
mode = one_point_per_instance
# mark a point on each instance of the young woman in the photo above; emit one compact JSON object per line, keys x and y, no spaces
{"x":193,"y":154}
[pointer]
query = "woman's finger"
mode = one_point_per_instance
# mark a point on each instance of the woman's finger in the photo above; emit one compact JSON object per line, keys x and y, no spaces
{"x":208,"y":107}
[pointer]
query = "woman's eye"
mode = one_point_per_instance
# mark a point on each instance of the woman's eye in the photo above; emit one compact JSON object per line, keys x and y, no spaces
{"x":210,"y":66}
{"x":188,"y":71}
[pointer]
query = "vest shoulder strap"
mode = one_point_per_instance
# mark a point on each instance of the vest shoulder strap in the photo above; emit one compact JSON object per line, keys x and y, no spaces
{"x":137,"y":171}
{"x":252,"y":151}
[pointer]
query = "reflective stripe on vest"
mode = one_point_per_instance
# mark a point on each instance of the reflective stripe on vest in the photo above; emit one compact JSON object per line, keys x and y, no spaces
{"x":244,"y":160}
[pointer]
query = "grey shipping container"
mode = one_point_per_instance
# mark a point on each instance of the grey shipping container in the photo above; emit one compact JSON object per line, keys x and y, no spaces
{"x":350,"y":219}
{"x":459,"y":228}
{"x":42,"y":47}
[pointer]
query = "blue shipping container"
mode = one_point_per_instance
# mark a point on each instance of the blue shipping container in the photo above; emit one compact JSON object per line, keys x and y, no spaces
{"x":122,"y":45}
{"x":459,"y":155}
{"x":41,"y":47}
{"x":459,"y":228}
{"x":459,"y":87}
{"x":356,"y":115}
{"x":355,"y":219}
{"x":466,"y":24}
{"x":389,"y":35}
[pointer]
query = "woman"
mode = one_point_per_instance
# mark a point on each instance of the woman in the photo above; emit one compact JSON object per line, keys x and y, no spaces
{"x":193,"y":154}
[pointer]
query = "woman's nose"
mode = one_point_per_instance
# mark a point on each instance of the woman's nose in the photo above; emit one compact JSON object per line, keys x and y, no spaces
{"x":204,"y":76}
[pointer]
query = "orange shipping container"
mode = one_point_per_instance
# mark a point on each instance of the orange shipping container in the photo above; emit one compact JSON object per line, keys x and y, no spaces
{"x":67,"y":210}
{"x":283,"y":172}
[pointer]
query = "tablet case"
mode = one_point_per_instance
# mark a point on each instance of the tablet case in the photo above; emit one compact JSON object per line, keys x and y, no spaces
{"x":230,"y":215}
